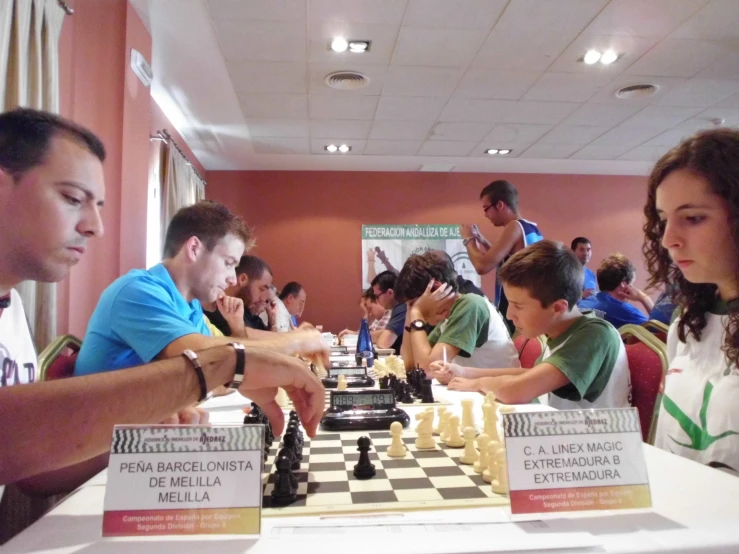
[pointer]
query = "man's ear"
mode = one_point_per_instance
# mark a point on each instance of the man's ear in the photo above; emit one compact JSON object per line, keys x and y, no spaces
{"x":243,"y":279}
{"x":193,"y":247}
{"x":561,"y":307}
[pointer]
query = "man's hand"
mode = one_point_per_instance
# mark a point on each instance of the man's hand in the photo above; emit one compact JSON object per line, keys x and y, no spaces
{"x":188,"y":416}
{"x":271,"y":309}
{"x":462,"y":384}
{"x":439,"y":367}
{"x":347,"y":332}
{"x":587,"y":293}
{"x":431,"y":303}
{"x":308,"y":344}
{"x":630,"y":292}
{"x":266,"y":371}
{"x":307,"y":326}
{"x":232,"y":310}
{"x":371,"y":255}
{"x":465,"y":229}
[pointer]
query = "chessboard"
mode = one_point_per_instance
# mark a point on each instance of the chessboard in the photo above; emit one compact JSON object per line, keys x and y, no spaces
{"x":422,"y":480}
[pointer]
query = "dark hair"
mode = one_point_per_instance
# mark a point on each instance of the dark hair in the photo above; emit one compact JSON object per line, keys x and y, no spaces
{"x":418,"y":270}
{"x":501,"y":191}
{"x":207,"y":220}
{"x":385,"y":280}
{"x":614,"y":270}
{"x":369,"y":294}
{"x":253,"y":267}
{"x":714,"y":156}
{"x":25,"y":138}
{"x":293,"y":288}
{"x":577,"y":241}
{"x":548,"y":270}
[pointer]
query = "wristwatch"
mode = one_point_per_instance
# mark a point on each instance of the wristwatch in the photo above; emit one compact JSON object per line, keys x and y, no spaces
{"x":468,"y":239}
{"x":240,"y":365}
{"x":416,"y":325}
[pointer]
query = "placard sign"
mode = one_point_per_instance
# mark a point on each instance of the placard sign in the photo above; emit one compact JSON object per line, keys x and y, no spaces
{"x":184,"y":480}
{"x":575,"y":460}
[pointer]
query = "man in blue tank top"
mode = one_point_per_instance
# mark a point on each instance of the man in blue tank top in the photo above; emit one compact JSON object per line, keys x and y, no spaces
{"x":500,"y":205}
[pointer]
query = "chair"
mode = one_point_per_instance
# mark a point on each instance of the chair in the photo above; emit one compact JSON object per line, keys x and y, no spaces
{"x":529,"y":350}
{"x":647,"y":359}
{"x":657,"y":328}
{"x":55,"y":362}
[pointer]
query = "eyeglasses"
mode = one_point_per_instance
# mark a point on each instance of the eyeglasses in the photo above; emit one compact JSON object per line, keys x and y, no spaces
{"x":377,"y":296}
{"x":486,"y":208}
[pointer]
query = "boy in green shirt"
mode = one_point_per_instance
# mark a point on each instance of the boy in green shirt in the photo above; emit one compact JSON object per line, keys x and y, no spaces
{"x":583,"y":364}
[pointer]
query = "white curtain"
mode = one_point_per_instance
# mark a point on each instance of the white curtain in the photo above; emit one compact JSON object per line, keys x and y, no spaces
{"x":29,"y":60}
{"x":181,"y":186}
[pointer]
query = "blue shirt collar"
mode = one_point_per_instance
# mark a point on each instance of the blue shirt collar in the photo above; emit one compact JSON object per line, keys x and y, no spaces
{"x":160,"y":272}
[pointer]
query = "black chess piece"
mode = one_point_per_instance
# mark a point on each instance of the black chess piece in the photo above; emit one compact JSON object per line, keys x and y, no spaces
{"x":284,"y":492}
{"x":293,"y":416}
{"x":384,"y":382}
{"x":290,"y":442}
{"x":407,"y":396}
{"x":255,"y":410}
{"x":284,"y":452}
{"x":294,"y":429}
{"x":364,"y":469}
{"x":249,"y":419}
{"x":427,"y":394}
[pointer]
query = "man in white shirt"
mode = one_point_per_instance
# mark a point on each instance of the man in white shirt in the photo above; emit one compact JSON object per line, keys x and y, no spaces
{"x":51,"y":194}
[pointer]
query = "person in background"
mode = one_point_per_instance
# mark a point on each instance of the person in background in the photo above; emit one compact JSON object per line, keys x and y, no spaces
{"x":275,"y":315}
{"x":465,"y":286}
{"x":293,"y":296}
{"x":691,"y":244}
{"x":382,"y":289}
{"x":583,"y":364}
{"x":375,"y":314}
{"x":51,"y":194}
{"x":500,"y":205}
{"x":616,"y":275}
{"x":466,"y":326}
{"x":664,"y":306}
{"x":583,"y":250}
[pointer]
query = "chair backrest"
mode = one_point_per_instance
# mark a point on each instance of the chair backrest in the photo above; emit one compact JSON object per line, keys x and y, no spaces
{"x":529,"y":350}
{"x":657,"y":328}
{"x":57,"y":360}
{"x":647,"y":358}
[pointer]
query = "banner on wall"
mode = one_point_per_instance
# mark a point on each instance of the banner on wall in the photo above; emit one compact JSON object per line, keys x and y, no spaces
{"x":389,"y":246}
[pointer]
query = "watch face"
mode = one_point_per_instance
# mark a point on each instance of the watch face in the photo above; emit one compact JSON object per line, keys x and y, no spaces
{"x":417,"y":324}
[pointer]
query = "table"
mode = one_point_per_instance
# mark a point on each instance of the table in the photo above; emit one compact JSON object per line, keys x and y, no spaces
{"x":695,"y":510}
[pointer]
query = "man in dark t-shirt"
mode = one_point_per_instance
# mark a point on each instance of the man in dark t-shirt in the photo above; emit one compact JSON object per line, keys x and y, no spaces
{"x":392,"y":335}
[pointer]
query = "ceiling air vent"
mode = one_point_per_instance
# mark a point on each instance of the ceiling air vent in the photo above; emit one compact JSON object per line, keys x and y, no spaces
{"x":347,"y":80}
{"x":636,"y":92}
{"x":201,"y":135}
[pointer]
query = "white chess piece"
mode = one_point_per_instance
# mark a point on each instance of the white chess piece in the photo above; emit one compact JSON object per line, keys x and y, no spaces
{"x":490,"y":422}
{"x":397,"y":449}
{"x":424,"y":440}
{"x":500,"y":483}
{"x":341,"y":382}
{"x":282,"y":399}
{"x":444,"y":426}
{"x":490,"y":399}
{"x":439,"y":412}
{"x":468,"y":417}
{"x":482,"y":442}
{"x":454,"y":439}
{"x":320,"y":369}
{"x":470,"y":455}
{"x":490,"y":472}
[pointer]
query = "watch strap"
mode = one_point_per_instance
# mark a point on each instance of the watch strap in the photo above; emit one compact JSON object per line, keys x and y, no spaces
{"x":240,"y":365}
{"x":191,"y":357}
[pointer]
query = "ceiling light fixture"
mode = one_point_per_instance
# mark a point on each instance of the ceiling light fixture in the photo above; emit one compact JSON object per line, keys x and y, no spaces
{"x":608,"y":57}
{"x":506,"y":151}
{"x":591,"y":57}
{"x":491,"y":151}
{"x":501,"y":151}
{"x":358,"y":46}
{"x":339,"y":44}
{"x":332,"y":148}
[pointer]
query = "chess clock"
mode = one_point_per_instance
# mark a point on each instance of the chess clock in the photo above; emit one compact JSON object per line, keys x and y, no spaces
{"x":356,"y":376}
{"x":339,"y":350}
{"x":362,"y":410}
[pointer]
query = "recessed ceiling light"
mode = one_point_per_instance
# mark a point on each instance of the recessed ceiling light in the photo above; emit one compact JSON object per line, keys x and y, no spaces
{"x":506,"y":151}
{"x":491,"y":151}
{"x":332,"y":148}
{"x":339,"y":44}
{"x":358,"y":46}
{"x":591,"y":57}
{"x":344,"y":148}
{"x":608,"y":57}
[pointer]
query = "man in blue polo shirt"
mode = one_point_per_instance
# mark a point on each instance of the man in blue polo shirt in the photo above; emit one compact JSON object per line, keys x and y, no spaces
{"x":616,"y":276}
{"x":583,"y":250}
{"x":157,"y":313}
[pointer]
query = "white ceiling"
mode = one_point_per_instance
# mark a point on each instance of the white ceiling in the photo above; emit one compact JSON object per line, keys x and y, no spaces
{"x":448,"y":79}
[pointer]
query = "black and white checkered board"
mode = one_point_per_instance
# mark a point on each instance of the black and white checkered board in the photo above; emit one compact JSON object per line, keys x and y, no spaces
{"x":424,"y":479}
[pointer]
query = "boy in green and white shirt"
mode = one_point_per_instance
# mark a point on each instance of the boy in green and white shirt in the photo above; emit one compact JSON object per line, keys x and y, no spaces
{"x":583,"y":364}
{"x":698,"y":418}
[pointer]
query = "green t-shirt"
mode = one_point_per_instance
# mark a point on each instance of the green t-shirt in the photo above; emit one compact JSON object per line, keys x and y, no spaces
{"x":466,"y":327}
{"x":592,"y":356}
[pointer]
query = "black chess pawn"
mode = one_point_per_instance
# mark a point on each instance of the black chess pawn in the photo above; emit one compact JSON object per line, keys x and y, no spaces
{"x":427,"y":394}
{"x":255,"y":410}
{"x":364,"y":469}
{"x":293,"y":429}
{"x":290,"y":443}
{"x":285,"y":491}
{"x":294,"y":416}
{"x":284,"y":452}
{"x":249,"y":419}
{"x":407,"y":396}
{"x":384,"y":381}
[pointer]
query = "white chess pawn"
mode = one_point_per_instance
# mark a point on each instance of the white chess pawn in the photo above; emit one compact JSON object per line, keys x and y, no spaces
{"x":482,"y":442}
{"x":439,"y":426}
{"x":444,"y":426}
{"x":454,"y":439}
{"x":397,"y":449}
{"x":341,"y":382}
{"x":500,"y":483}
{"x":490,"y":472}
{"x":468,"y":417}
{"x":490,"y":399}
{"x":490,"y":424}
{"x":424,"y":440}
{"x":282,"y":399}
{"x":470,"y":455}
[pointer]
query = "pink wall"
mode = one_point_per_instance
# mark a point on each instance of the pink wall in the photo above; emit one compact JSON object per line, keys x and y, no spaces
{"x":308,"y":224}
